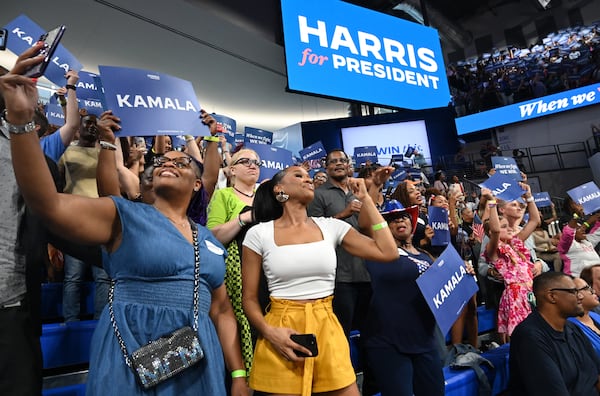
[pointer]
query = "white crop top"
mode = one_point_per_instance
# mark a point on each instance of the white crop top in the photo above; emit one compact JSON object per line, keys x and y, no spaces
{"x":303,"y":271}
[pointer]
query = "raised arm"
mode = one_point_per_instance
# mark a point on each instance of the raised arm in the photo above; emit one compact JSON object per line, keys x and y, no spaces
{"x":381,"y":245}
{"x":212,"y":158}
{"x":84,"y":220}
{"x":68,"y":131}
{"x":534,"y":214}
{"x":494,"y":227}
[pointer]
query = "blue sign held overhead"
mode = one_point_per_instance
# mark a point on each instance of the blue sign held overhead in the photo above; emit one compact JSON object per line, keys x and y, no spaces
{"x":315,"y":151}
{"x":503,"y":187}
{"x":588,"y":196}
{"x":257,"y":136}
{"x":23,"y":33}
{"x":364,"y":154}
{"x":90,"y":93}
{"x":542,"y":199}
{"x":507,"y":166}
{"x":446,"y":287}
{"x":151,"y":103}
{"x":273,"y":159}
{"x":226,"y":126}
{"x":55,"y":115}
{"x":341,"y":50}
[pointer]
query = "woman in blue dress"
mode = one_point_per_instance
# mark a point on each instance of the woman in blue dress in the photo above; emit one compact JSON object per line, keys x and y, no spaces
{"x":589,"y":322}
{"x":400,"y":338}
{"x":149,"y":253}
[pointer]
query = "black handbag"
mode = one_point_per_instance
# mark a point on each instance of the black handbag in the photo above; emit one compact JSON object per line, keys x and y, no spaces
{"x":171,"y":354}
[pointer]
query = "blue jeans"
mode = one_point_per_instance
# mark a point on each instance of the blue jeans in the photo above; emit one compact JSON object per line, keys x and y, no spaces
{"x":75,"y":271}
{"x":403,"y":374}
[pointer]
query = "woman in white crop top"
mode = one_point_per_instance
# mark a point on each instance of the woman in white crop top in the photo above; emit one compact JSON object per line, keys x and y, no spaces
{"x":297,"y":255}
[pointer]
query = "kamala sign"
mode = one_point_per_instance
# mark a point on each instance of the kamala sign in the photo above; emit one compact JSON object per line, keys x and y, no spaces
{"x":340,"y":50}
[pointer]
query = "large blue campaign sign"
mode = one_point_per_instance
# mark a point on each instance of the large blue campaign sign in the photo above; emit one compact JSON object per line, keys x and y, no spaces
{"x":503,"y":187}
{"x":341,"y":50}
{"x":539,"y":107}
{"x":273,"y":159}
{"x":226,"y":126}
{"x":364,"y":154}
{"x":542,"y":199}
{"x":315,"y":151}
{"x":507,"y":166}
{"x":447,"y":287}
{"x":588,"y":196}
{"x":438,"y":220}
{"x":55,"y":115}
{"x":257,"y":136}
{"x":23,"y":33}
{"x":90,"y":93}
{"x":151,"y":103}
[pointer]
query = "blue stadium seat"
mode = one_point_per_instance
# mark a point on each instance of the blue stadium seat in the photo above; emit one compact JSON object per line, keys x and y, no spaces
{"x":52,"y":300}
{"x":65,"y":344}
{"x":70,"y":390}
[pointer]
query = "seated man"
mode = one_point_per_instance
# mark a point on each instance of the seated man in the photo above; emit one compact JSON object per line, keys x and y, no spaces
{"x":548,"y":354}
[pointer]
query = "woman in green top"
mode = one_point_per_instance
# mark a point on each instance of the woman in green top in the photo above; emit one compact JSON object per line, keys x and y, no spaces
{"x":229,"y":217}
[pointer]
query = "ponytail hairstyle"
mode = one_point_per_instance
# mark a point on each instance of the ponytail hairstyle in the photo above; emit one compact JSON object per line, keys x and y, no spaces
{"x":266,"y":207}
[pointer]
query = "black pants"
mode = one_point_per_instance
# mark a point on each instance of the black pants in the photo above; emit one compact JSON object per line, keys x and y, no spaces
{"x":351,"y":304}
{"x":20,"y":353}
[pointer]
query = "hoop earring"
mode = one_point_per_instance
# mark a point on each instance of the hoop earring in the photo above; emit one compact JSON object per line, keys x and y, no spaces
{"x":282,"y":197}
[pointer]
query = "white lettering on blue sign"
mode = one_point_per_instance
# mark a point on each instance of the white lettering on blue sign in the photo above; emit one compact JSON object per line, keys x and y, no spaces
{"x":151,"y":102}
{"x":437,"y":225}
{"x":449,"y":287}
{"x":500,"y":190}
{"x":367,"y":154}
{"x":87,"y":85}
{"x":400,"y":57}
{"x":273,"y":164}
{"x":589,"y":197}
{"x":57,"y":115}
{"x":312,"y":153}
{"x":64,"y":66}
{"x":23,"y":36}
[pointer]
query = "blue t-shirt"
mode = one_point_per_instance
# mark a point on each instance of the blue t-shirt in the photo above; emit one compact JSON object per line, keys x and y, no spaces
{"x":52,"y":146}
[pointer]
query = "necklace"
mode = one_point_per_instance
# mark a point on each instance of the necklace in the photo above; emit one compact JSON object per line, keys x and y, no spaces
{"x":180,"y":224}
{"x":243,"y":193}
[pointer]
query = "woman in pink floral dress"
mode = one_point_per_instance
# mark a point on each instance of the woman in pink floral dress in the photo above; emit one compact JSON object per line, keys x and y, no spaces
{"x":512,"y":260}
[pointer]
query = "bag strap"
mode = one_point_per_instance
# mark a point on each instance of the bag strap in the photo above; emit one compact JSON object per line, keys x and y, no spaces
{"x":196,"y":308}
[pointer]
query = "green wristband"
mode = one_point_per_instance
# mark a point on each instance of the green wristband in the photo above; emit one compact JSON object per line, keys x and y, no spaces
{"x":211,"y":139}
{"x":380,"y":226}
{"x":586,"y":224}
{"x":239,"y":374}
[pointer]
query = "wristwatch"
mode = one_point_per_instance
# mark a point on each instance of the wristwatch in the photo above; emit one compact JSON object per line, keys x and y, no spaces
{"x":17,"y":129}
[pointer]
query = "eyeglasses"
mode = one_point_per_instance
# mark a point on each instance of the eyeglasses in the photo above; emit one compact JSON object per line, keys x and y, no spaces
{"x":247,"y":162}
{"x":574,"y":291}
{"x":179,"y":162}
{"x":338,"y":161}
{"x":587,"y":288}
{"x":403,"y":216}
{"x":321,"y":178}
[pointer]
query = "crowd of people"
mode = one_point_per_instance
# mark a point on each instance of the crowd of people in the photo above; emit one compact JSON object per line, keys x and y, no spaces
{"x":562,"y":60}
{"x":271,"y":280}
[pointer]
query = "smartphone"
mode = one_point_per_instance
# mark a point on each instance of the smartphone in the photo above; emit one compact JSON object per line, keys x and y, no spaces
{"x":3,"y":38}
{"x":50,"y":40}
{"x":309,"y":341}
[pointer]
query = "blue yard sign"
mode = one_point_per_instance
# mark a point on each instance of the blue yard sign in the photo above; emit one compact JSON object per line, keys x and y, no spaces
{"x":257,"y":136}
{"x":503,"y":186}
{"x":273,"y":159}
{"x":588,"y":196}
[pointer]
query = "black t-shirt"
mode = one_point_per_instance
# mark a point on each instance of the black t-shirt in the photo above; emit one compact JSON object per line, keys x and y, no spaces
{"x":546,"y":362}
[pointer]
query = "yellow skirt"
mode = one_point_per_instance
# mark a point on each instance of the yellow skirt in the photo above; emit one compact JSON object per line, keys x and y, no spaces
{"x":330,"y":370}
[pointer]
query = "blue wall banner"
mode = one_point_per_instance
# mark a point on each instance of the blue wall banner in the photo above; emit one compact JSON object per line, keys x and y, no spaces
{"x":23,"y":33}
{"x":542,"y":199}
{"x":438,"y":220}
{"x":273,"y":159}
{"x":341,"y":50}
{"x":257,"y":136}
{"x":588,"y":196}
{"x":539,"y":107}
{"x":226,"y":126}
{"x":55,"y":115}
{"x":507,"y":166}
{"x":447,"y":287}
{"x":503,"y":187}
{"x":151,"y":103}
{"x":364,"y":154}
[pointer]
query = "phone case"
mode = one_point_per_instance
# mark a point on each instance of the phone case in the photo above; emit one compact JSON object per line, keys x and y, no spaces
{"x":309,"y":341}
{"x":51,"y":40}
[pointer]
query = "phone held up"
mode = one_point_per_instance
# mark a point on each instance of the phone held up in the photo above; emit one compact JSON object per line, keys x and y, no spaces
{"x":50,"y":40}
{"x":309,"y":341}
